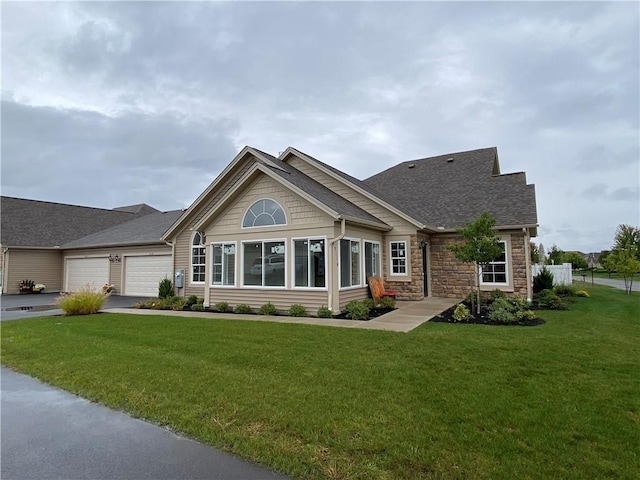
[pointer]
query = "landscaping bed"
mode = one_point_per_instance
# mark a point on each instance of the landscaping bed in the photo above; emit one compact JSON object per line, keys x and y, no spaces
{"x":483,"y":319}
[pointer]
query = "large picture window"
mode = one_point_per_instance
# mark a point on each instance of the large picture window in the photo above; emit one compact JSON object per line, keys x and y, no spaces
{"x":398,"y":256}
{"x":371,"y":259}
{"x":495,"y":273}
{"x":223,"y":268}
{"x":197,"y":258}
{"x":264,"y":213}
{"x":264,"y":264}
{"x":309,"y":263}
{"x":349,"y":263}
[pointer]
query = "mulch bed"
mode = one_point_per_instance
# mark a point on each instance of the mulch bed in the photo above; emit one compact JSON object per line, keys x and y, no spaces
{"x":483,"y":319}
{"x":375,"y":313}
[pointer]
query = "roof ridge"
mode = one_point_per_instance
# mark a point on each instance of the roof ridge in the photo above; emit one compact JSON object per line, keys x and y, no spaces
{"x":67,"y":204}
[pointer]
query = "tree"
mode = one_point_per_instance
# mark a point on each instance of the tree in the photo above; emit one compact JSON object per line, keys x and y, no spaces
{"x":602,"y":260}
{"x":535,"y":255}
{"x":541,"y":254}
{"x":576,"y":260}
{"x":556,"y":256}
{"x":625,"y":254}
{"x":481,"y":246}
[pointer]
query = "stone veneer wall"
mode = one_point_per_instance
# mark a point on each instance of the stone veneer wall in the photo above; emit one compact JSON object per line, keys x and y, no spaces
{"x":407,"y":290}
{"x":452,"y":278}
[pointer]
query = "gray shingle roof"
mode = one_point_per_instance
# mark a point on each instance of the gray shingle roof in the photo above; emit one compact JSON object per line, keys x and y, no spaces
{"x":137,"y":208}
{"x":142,"y":230}
{"x":36,"y":223}
{"x":318,"y":191}
{"x":451,"y":190}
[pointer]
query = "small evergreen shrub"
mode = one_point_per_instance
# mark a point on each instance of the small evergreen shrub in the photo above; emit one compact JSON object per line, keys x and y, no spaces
{"x":525,"y":315}
{"x":177,"y":303}
{"x":543,"y":280}
{"x":83,"y":302}
{"x":388,"y":302}
{"x":564,"y":290}
{"x":370,"y":303}
{"x":324,"y":312}
{"x":268,"y":309}
{"x":242,"y":308}
{"x":357,"y":310}
{"x":197,"y":307}
{"x":462,"y":313}
{"x":548,"y":300}
{"x":582,"y":293}
{"x":222,"y":307}
{"x":164,"y":303}
{"x":191,"y":300}
{"x":297,"y":310}
{"x":495,"y":294}
{"x":165,"y":288}
{"x":502,"y":315}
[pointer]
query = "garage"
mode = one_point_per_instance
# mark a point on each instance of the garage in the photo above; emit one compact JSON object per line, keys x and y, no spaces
{"x":142,"y":274}
{"x":86,"y":272}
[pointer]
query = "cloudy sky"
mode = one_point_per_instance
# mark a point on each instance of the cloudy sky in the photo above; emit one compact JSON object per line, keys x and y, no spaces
{"x":109,"y":104}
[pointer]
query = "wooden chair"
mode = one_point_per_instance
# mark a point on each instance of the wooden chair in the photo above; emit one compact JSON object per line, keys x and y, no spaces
{"x":377,"y":289}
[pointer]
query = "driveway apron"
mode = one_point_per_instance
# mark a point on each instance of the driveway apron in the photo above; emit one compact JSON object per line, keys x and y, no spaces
{"x":48,"y":433}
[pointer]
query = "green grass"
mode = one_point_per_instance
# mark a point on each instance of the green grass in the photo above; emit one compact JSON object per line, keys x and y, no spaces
{"x":444,"y":401}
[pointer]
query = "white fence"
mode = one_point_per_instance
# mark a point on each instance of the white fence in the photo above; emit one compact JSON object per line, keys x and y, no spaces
{"x":561,"y":273}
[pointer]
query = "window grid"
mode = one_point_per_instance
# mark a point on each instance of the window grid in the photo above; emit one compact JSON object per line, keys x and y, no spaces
{"x":223,"y":264}
{"x":398,"y":256}
{"x":495,"y":273}
{"x":197,"y":259}
{"x":264,"y":213}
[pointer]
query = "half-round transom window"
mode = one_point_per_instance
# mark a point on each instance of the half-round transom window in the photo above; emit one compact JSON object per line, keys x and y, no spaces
{"x":263,"y":213}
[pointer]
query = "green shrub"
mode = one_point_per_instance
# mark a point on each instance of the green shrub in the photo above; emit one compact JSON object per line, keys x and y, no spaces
{"x":495,"y":294}
{"x":369,"y":302}
{"x":388,"y":302}
{"x":582,"y":293}
{"x":146,"y":304}
{"x":543,"y":280}
{"x":564,"y":290}
{"x":177,"y":303}
{"x":164,"y":303}
{"x":462,"y":313}
{"x":222,"y":307}
{"x":268,"y":309}
{"x":83,"y":302}
{"x":191,"y":300}
{"x":548,"y":300}
{"x":324,"y":312}
{"x":525,"y":315}
{"x":297,"y":310}
{"x":242,"y":308}
{"x":357,"y":310}
{"x":165,"y":288}
{"x":502,"y":315}
{"x":197,"y":307}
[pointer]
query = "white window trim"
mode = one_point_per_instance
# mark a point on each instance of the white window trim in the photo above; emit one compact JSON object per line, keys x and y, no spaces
{"x":360,"y":267}
{"x":406,"y":259}
{"x":507,"y":266}
{"x":326,"y":264}
{"x":191,"y":264}
{"x":265,"y":287}
{"x":286,"y":220}
{"x":235,"y":273}
{"x":364,"y":260}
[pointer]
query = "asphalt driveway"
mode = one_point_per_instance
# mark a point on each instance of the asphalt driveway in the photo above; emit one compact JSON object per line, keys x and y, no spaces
{"x":48,"y":433}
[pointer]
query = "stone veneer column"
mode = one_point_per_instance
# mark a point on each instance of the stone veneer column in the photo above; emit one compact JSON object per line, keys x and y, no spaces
{"x":408,"y":290}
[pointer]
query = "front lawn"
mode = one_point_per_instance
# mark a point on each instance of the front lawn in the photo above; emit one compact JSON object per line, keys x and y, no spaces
{"x":560,"y":400}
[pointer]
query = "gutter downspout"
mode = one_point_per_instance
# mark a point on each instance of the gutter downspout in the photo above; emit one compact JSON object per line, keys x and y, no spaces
{"x":332,"y":242}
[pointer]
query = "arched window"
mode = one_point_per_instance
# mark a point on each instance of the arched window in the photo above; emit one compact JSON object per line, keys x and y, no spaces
{"x":263,"y":213}
{"x":197,"y":258}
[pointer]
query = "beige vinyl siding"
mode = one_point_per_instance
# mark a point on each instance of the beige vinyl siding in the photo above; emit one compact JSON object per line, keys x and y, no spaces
{"x":298,"y":211}
{"x":346,"y":296}
{"x":282,"y":299}
{"x":399,"y":224}
{"x":115,"y":268}
{"x":41,"y":266}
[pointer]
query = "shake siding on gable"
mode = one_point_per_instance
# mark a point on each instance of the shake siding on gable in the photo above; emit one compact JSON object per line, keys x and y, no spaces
{"x":399,"y":225}
{"x":41,"y":266}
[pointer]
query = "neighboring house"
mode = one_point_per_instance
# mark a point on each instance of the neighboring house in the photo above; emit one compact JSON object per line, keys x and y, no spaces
{"x":295,"y":230}
{"x":67,"y":246}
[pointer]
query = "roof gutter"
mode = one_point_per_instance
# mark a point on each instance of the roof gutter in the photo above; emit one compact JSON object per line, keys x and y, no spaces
{"x":332,"y":242}
{"x":368,"y":223}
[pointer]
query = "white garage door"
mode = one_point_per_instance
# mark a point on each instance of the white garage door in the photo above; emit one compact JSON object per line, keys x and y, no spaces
{"x":143,"y":274}
{"x":83,"y":272}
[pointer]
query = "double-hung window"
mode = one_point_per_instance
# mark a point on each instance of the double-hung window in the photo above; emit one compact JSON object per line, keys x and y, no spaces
{"x":495,"y":273}
{"x":223,"y":268}
{"x":398,"y":257}
{"x":309,"y":263}
{"x":197,"y":258}
{"x":371,"y":259}
{"x":349,"y":263}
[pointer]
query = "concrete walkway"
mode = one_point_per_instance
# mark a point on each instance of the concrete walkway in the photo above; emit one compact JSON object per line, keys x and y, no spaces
{"x":406,"y":317}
